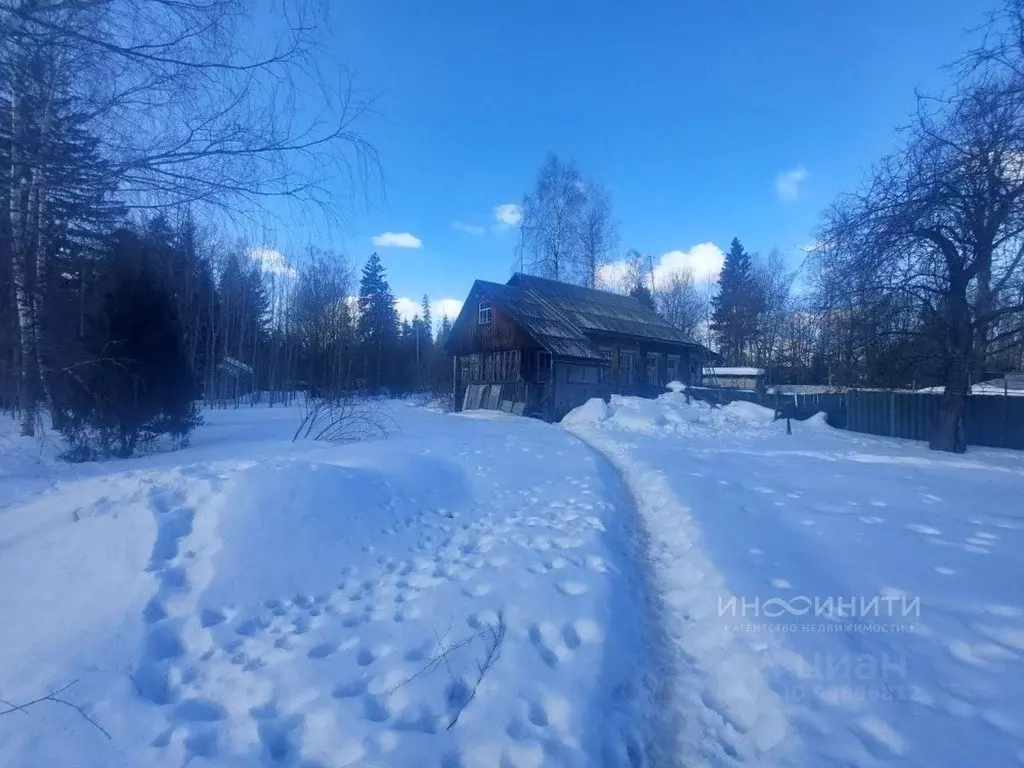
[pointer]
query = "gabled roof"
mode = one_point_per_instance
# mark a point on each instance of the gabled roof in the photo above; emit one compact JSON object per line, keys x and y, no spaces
{"x":602,"y":312}
{"x":562,"y":317}
{"x":542,"y":321}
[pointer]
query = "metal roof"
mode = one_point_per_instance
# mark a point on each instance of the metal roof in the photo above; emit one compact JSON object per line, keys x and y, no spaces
{"x":601,"y":312}
{"x":563,"y":318}
{"x":542,"y":321}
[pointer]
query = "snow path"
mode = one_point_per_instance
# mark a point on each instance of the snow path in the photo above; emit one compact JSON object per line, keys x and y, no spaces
{"x":463,"y":594}
{"x":862,"y":598}
{"x":712,"y":702}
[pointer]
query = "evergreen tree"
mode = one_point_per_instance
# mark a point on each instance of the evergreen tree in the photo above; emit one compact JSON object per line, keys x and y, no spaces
{"x":642,"y":293}
{"x":733,"y":313}
{"x":424,"y":344}
{"x":134,"y":383}
{"x":377,"y":329}
{"x":443,"y":331}
{"x":428,"y":322}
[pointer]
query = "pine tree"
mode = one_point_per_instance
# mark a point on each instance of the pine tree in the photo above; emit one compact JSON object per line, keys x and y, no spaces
{"x":377,"y":329}
{"x":428,"y":323}
{"x":424,"y":343}
{"x":643,"y":294}
{"x":732,"y":314}
{"x":444,"y":330}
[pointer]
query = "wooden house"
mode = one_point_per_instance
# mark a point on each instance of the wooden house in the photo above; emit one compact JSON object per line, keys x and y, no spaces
{"x":541,"y":348}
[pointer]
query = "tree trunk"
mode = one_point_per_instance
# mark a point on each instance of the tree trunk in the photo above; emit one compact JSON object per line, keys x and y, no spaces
{"x":982,"y":308}
{"x":949,"y":430}
{"x":21,"y":265}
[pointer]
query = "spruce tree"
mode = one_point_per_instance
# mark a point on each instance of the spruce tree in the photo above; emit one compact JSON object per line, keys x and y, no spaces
{"x":134,"y":382}
{"x":732,"y":305}
{"x":643,"y":294}
{"x":377,"y":328}
{"x":428,"y":323}
{"x":444,"y":330}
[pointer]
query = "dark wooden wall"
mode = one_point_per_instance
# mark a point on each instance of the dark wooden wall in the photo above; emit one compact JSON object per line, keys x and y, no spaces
{"x":501,"y":334}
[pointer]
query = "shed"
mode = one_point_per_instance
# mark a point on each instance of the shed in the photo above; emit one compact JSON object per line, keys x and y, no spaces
{"x":735,"y":378}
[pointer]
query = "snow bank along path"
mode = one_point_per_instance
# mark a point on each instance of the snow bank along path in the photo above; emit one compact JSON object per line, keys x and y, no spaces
{"x":921,"y":663}
{"x":462,"y":594}
{"x":714,"y":703}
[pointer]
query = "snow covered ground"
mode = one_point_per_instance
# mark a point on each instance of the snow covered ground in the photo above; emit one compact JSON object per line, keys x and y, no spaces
{"x":650,"y":583}
{"x":462,"y":593}
{"x":824,"y":598}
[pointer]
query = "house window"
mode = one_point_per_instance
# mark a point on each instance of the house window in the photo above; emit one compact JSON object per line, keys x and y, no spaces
{"x":474,"y":367}
{"x":627,"y":368}
{"x":484,"y":313}
{"x":488,"y":367}
{"x":605,"y":371}
{"x":464,"y":370}
{"x":653,"y":369}
{"x":583,"y":374}
{"x":543,"y":366}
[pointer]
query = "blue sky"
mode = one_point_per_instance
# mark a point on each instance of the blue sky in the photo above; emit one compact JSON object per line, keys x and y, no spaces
{"x":705,"y":120}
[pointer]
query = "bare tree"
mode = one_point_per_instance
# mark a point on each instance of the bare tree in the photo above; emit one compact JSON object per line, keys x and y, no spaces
{"x":551,"y":228}
{"x":680,"y":301}
{"x":937,"y":232}
{"x":598,"y":233}
{"x":154,"y":104}
{"x":771,"y":283}
{"x":324,"y":322}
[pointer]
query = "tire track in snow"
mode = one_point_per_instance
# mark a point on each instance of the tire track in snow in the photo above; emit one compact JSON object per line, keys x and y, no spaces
{"x":711,"y":705}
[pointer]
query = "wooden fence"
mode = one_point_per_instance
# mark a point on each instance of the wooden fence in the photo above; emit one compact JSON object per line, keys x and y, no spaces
{"x":992,"y":420}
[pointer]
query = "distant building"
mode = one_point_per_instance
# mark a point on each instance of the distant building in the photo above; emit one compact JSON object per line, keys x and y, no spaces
{"x":803,"y":389}
{"x":735,"y":378}
{"x":1011,"y":384}
{"x":231,"y":379}
{"x":541,"y":347}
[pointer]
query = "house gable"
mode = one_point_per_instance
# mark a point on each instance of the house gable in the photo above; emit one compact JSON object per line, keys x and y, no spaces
{"x":469,"y":336}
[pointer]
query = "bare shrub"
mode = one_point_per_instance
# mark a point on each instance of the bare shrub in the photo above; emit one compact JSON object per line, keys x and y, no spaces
{"x":343,"y":419}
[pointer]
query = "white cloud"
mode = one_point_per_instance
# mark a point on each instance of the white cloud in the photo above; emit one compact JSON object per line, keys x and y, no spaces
{"x":469,"y":229}
{"x":508,"y":214}
{"x":450,"y":307}
{"x":397,"y":240}
{"x":613,"y":276}
{"x":271,"y":261}
{"x":408,"y":309}
{"x":788,"y":183}
{"x":704,"y":261}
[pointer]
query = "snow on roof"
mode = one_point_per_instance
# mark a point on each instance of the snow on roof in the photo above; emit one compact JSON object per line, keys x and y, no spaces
{"x":234,"y":365}
{"x":994,"y":387}
{"x":739,"y":371}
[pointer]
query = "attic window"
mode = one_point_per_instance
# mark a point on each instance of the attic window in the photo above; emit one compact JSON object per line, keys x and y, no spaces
{"x":484,"y":315}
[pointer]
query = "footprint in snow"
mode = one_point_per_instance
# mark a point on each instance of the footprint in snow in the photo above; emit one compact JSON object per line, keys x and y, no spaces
{"x":322,"y":650}
{"x":572,"y":588}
